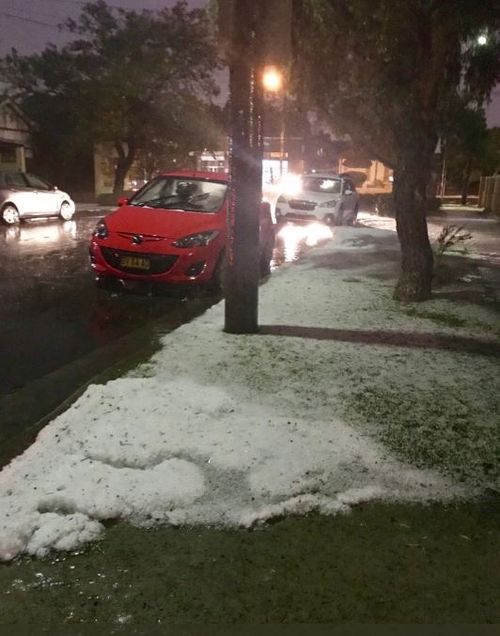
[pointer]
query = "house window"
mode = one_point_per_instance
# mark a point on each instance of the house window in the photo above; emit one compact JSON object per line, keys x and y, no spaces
{"x":7,"y":154}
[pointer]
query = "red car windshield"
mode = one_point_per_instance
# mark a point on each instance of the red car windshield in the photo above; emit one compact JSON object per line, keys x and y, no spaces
{"x":181,"y":193}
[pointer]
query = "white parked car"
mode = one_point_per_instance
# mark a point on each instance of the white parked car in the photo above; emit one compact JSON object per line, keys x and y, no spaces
{"x":24,"y":195}
{"x":319,"y":196}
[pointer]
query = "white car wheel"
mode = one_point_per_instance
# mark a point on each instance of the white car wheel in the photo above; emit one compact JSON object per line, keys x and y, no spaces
{"x":10,"y":215}
{"x":66,"y":213}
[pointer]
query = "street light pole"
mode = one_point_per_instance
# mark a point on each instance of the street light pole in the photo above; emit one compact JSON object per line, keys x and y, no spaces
{"x":282,"y":134}
{"x":274,"y":84}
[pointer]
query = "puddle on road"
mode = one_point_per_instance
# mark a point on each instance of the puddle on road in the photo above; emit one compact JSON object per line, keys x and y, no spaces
{"x":292,"y":241}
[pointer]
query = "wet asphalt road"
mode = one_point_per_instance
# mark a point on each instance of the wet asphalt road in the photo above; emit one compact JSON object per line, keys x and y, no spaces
{"x":51,"y":312}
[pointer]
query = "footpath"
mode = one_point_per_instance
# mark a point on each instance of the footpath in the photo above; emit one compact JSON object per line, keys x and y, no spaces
{"x":340,"y":466}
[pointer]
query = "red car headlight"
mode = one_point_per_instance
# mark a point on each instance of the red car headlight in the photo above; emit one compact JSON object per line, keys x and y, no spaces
{"x":197,"y":240}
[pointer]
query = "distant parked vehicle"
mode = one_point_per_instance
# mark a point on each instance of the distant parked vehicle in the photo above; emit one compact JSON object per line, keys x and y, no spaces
{"x":326,"y":197}
{"x":24,"y":195}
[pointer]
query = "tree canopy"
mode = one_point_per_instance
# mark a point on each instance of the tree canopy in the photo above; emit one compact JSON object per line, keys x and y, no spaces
{"x":127,"y":77}
{"x":467,"y":148}
{"x":387,"y":72}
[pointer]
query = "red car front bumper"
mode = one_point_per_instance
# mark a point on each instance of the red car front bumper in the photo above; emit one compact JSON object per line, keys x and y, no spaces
{"x":177,"y":266}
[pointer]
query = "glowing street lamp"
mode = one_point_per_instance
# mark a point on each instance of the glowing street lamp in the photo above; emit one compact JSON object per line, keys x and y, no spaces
{"x":482,"y":40}
{"x":273,"y":83}
{"x":272,"y":79}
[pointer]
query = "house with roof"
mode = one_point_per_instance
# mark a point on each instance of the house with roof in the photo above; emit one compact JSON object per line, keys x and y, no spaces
{"x":15,"y":137}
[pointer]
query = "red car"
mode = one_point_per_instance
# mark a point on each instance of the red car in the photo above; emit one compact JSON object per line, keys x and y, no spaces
{"x":172,"y":231}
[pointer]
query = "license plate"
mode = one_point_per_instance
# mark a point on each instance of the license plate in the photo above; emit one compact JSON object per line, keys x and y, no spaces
{"x":134,"y":262}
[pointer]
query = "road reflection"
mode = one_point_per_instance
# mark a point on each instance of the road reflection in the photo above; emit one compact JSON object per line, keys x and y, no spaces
{"x":40,"y":232}
{"x":42,"y":235}
{"x":35,"y":237}
{"x":292,"y":240}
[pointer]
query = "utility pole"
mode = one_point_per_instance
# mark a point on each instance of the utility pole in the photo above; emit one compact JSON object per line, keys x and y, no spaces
{"x":252,"y":33}
{"x":245,"y":165}
{"x":282,"y":134}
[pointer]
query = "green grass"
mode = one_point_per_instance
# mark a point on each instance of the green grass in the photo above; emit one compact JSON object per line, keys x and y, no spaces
{"x":434,"y":430}
{"x":440,"y":318}
{"x":382,"y":563}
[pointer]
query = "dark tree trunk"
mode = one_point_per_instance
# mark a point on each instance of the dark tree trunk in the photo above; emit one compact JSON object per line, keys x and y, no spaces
{"x":465,"y":183}
{"x":417,"y":262}
{"x":126,"y":157}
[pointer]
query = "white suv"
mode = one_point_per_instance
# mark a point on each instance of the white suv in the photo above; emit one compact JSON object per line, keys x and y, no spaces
{"x":326,"y":197}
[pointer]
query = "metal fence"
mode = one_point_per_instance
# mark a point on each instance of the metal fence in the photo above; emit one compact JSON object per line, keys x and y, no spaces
{"x":489,"y":194}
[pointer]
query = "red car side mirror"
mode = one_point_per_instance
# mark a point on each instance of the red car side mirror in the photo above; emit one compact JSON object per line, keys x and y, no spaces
{"x":122,"y":201}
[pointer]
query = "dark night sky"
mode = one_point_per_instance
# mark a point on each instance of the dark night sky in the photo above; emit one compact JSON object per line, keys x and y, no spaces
{"x":37,"y":20}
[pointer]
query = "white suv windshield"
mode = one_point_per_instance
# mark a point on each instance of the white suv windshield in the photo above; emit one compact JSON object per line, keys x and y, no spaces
{"x":181,"y":193}
{"x":324,"y":185}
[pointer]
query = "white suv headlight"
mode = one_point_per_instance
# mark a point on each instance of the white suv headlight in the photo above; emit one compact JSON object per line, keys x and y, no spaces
{"x":328,"y":204}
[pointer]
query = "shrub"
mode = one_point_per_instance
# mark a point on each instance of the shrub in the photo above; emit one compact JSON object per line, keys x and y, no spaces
{"x":384,"y":205}
{"x":450,"y":237}
{"x":367,"y":202}
{"x":433,"y":204}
